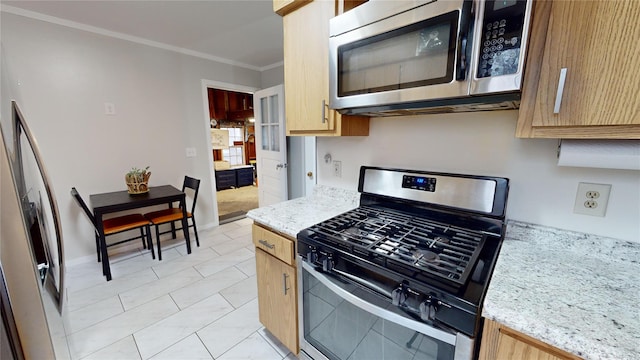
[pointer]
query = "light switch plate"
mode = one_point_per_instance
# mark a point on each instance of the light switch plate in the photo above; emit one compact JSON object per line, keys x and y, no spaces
{"x":337,"y":168}
{"x":191,"y":152}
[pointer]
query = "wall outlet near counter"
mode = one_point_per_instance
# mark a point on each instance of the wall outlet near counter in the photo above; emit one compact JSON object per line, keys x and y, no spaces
{"x":592,"y":199}
{"x":337,"y":168}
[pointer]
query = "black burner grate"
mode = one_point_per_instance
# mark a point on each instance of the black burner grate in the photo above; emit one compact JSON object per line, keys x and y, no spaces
{"x":422,"y":245}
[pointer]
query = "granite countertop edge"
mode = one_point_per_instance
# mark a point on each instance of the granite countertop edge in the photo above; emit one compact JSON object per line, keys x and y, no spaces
{"x":292,"y":216}
{"x":575,"y":291}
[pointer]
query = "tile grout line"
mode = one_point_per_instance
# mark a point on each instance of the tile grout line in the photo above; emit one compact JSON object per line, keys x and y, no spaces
{"x":153,"y":269}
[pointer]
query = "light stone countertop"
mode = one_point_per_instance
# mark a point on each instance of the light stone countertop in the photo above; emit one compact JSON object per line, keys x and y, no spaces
{"x":575,"y":291}
{"x":292,"y":216}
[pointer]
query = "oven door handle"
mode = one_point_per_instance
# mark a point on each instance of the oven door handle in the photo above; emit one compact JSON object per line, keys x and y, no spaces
{"x":365,"y":283}
{"x":444,"y":336}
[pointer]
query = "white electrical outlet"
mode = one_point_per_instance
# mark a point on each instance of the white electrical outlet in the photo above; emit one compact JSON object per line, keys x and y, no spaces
{"x":592,"y":199}
{"x":337,"y":168}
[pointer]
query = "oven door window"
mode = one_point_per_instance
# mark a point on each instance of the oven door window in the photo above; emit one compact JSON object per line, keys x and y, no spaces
{"x":341,"y":330}
{"x":413,"y":56}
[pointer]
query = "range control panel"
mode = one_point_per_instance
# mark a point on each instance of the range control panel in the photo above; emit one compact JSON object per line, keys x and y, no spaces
{"x":419,"y":183}
{"x":500,"y":44}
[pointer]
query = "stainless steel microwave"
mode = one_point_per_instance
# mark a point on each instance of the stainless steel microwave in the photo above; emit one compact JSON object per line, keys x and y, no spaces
{"x":404,"y":57}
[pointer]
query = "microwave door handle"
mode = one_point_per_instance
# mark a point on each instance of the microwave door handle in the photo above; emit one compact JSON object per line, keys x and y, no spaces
{"x":462,"y":60}
{"x":464,"y":46}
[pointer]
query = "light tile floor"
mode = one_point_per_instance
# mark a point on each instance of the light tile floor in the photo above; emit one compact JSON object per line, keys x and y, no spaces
{"x":197,"y":306}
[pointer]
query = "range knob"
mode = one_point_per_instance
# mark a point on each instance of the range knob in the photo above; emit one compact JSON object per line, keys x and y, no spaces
{"x":399,"y":295}
{"x":327,"y":263}
{"x":312,"y":255}
{"x":428,"y":309}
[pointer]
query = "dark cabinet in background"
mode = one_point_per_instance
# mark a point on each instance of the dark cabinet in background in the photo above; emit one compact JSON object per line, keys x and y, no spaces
{"x":234,"y":177}
{"x":244,"y":176}
{"x":225,"y":179}
{"x":217,"y":104}
{"x":229,"y":105}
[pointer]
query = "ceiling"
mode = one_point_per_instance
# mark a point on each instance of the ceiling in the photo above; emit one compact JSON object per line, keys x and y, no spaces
{"x":242,"y":32}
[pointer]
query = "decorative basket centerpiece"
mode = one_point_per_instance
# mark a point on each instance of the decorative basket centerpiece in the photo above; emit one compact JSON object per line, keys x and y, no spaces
{"x":138,"y":180}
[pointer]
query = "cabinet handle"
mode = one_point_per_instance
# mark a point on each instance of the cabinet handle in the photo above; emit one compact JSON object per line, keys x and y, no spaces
{"x":324,"y":112}
{"x":563,"y":77}
{"x":284,"y":283}
{"x":266,"y":243}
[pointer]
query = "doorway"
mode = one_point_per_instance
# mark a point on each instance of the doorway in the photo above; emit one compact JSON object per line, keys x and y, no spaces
{"x":233,"y":151}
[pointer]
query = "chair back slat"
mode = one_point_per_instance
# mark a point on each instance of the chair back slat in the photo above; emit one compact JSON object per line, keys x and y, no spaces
{"x":193,"y":184}
{"x":83,"y":205}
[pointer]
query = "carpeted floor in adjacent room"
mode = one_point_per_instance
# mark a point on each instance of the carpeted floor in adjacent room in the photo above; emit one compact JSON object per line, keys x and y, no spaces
{"x":234,"y":203}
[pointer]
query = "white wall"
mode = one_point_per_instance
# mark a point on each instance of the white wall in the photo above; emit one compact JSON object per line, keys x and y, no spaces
{"x":272,"y":76}
{"x":62,"y":77}
{"x":484,"y":144}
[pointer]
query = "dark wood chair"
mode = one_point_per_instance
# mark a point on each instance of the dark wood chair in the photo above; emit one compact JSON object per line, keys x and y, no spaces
{"x":172,"y":214}
{"x":117,"y":225}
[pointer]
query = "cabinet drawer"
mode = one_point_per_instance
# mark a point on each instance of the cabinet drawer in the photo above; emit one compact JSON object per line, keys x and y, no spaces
{"x":274,"y":244}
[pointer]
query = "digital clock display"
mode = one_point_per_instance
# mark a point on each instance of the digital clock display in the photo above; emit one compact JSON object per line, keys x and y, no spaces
{"x":501,"y":4}
{"x":419,"y":183}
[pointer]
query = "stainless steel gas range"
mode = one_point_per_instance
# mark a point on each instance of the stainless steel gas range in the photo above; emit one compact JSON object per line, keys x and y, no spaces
{"x":402,"y":276}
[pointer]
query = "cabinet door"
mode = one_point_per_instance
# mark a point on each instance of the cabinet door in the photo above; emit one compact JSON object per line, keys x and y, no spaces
{"x":277,"y":298}
{"x":594,"y":42}
{"x":306,"y":66}
{"x":501,"y":342}
{"x":306,"y":75}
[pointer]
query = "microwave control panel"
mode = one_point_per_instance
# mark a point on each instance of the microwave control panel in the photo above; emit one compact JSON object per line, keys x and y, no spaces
{"x":500,"y":44}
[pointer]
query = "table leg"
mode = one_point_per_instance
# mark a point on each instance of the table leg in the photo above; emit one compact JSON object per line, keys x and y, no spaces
{"x":185,"y":223}
{"x":106,"y":269}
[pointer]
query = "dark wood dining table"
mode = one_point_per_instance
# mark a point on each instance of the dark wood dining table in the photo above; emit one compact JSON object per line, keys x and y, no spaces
{"x":112,"y":202}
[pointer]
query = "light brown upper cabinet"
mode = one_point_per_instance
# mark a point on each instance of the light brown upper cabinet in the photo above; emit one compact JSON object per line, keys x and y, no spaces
{"x":306,"y":74}
{"x":283,"y":7}
{"x":582,"y":78}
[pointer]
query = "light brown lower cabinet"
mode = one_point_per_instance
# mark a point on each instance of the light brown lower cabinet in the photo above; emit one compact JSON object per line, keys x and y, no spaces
{"x":277,"y":286}
{"x":500,"y":342}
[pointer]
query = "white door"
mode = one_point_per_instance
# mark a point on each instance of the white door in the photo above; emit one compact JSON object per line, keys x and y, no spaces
{"x":271,"y":145}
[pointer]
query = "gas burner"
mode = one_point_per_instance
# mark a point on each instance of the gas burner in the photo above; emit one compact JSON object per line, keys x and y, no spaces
{"x":424,"y":257}
{"x":353,"y":231}
{"x":442,"y":240}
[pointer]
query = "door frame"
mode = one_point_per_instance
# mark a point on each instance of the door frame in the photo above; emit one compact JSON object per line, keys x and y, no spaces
{"x":207,"y":126}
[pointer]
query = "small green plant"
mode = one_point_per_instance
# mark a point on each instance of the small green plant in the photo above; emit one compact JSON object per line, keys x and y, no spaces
{"x":138,"y":175}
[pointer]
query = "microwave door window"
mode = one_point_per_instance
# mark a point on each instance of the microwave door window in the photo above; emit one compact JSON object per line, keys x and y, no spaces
{"x":417,"y":55}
